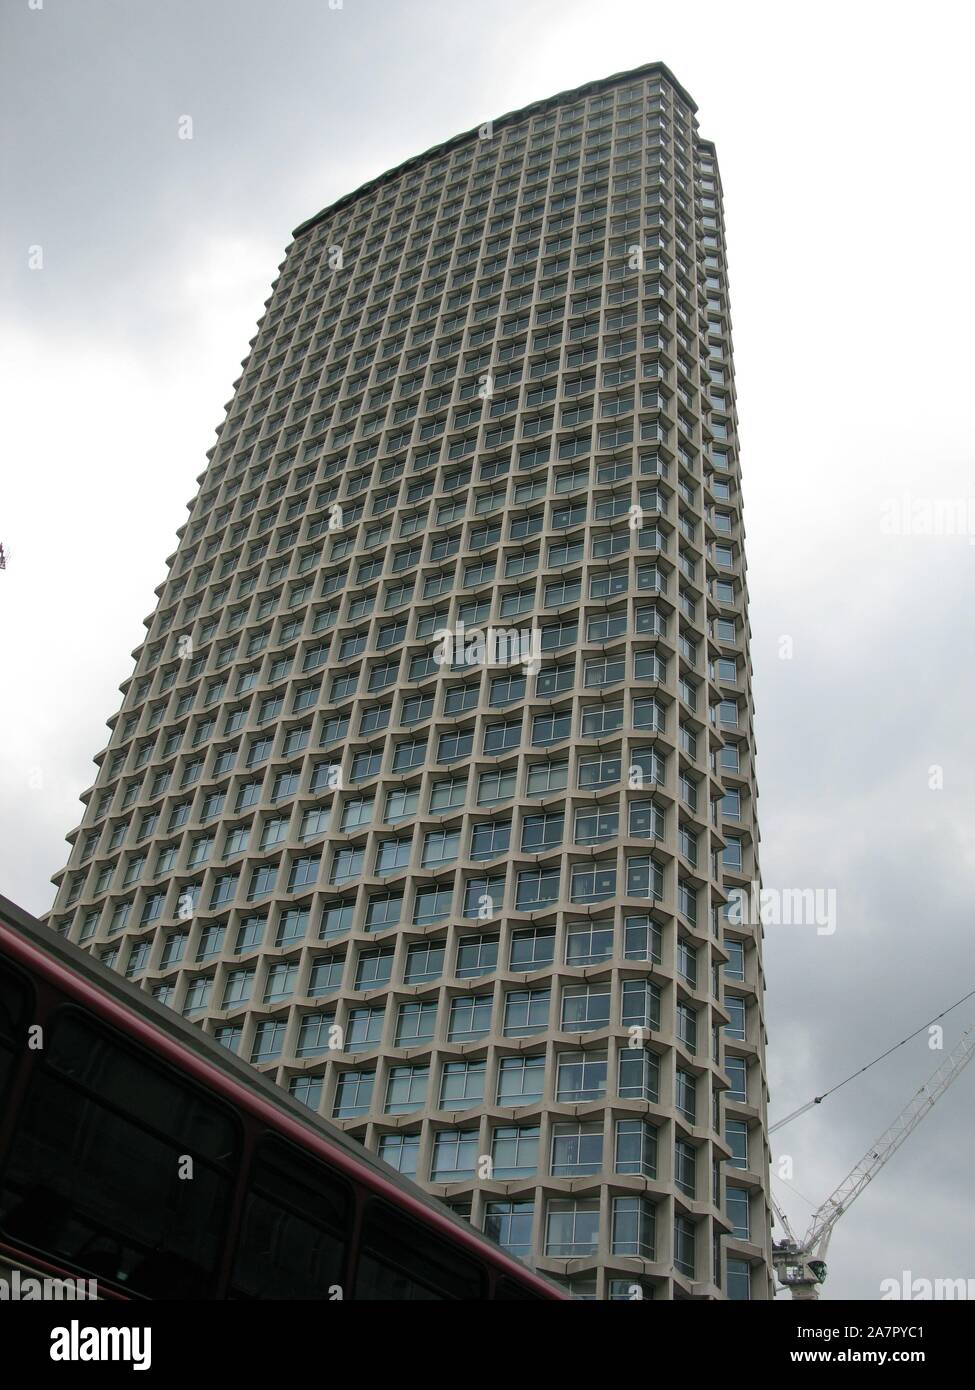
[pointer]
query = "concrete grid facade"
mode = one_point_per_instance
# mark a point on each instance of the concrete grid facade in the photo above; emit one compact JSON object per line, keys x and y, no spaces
{"x":477,"y":914}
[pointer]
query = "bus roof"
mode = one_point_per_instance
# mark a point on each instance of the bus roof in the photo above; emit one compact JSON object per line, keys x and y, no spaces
{"x":152,"y":1021}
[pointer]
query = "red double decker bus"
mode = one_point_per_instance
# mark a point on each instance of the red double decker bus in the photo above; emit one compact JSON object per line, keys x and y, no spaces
{"x":138,"y":1152}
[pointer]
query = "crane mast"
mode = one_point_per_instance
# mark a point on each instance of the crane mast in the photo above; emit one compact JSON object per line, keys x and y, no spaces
{"x":801,"y":1265}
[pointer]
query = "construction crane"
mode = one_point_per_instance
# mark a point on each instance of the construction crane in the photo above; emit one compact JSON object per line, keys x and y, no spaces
{"x":801,"y":1265}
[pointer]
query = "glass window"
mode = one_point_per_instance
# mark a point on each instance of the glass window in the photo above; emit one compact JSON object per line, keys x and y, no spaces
{"x":521,"y":1080}
{"x":634,"y":1227}
{"x":572,"y":1227}
{"x":581,"y":1076}
{"x":577,"y":1149}
{"x":462,"y":1085}
{"x":739,"y":1280}
{"x":738,"y":1208}
{"x":510,"y":1224}
{"x":514,"y":1151}
{"x":526,"y":1011}
{"x":406,"y":1089}
{"x":353,"y":1094}
{"x":636,"y":1148}
{"x":736,"y":1137}
{"x":454,"y":1155}
{"x":470,"y":1017}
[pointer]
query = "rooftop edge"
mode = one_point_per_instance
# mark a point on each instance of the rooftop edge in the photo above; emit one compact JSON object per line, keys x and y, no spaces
{"x":509,"y":118}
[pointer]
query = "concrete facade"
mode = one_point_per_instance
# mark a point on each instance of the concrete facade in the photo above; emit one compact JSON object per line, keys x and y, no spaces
{"x":436,"y":767}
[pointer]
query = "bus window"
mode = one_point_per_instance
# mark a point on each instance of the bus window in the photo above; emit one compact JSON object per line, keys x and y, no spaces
{"x":15,"y":1000}
{"x":295,"y":1233}
{"x":97,"y":1170}
{"x":400,"y":1259}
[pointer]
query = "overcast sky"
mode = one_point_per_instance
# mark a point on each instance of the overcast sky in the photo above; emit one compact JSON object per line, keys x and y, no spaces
{"x":844,"y":135}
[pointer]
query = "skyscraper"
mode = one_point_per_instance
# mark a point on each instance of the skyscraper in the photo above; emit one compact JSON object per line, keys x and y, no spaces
{"x":435,"y":771}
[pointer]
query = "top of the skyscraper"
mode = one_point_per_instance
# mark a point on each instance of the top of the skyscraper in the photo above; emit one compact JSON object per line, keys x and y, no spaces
{"x":510,"y":118}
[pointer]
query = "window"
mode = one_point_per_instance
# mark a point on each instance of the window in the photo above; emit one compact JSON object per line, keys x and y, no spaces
{"x":489,"y":839}
{"x":357,"y":811}
{"x":401,"y":1151}
{"x":737,"y":1070}
{"x":589,"y":944}
{"x":314,"y":1034}
{"x":735,"y":1007}
{"x":268,"y":1041}
{"x":82,"y":1132}
{"x":541,"y":832}
{"x":424,"y":962}
{"x":439,"y":847}
{"x":731,"y":855}
{"x":346,"y":864}
{"x":198,"y":994}
{"x":374,"y":969}
{"x":687,"y":962}
{"x":492,"y":787}
{"x":416,"y":1022}
{"x":735,"y":966}
{"x":525,"y":1012}
{"x":406,"y":1089}
{"x":281,"y":980}
{"x":237,"y":988}
{"x":521,"y":1080}
{"x":577,"y":1149}
{"x":476,"y":955}
{"x":641,"y":939}
{"x":640,"y":1005}
{"x":401,"y":805}
{"x":462,"y":1085}
{"x":646,"y":820}
{"x":639,"y":1074}
{"x":452,"y":747}
{"x":454,"y":1155}
{"x":595,"y":825}
{"x":545,"y":778}
{"x":470,"y":1017}
{"x":392,"y":855}
{"x":510,"y":1224}
{"x":739,"y":1280}
{"x":514,"y":1151}
{"x":738,"y":1209}
{"x":687,"y":1026}
{"x":572,"y":1227}
{"x":685,"y":1168}
{"x":592,"y":883}
{"x":336,"y":919}
{"x":446,"y":795}
{"x":736,"y":1137}
{"x":634,"y":1227}
{"x":581,"y":1076}
{"x":684,"y":1245}
{"x":636,"y":1148}
{"x":353,"y":1094}
{"x":432,"y":904}
{"x":532,"y":949}
{"x":306,"y":1089}
{"x":263,"y":879}
{"x":585,"y":1007}
{"x":537,"y":888}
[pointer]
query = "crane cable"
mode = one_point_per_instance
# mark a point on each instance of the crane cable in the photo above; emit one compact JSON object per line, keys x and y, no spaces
{"x":818,"y":1100}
